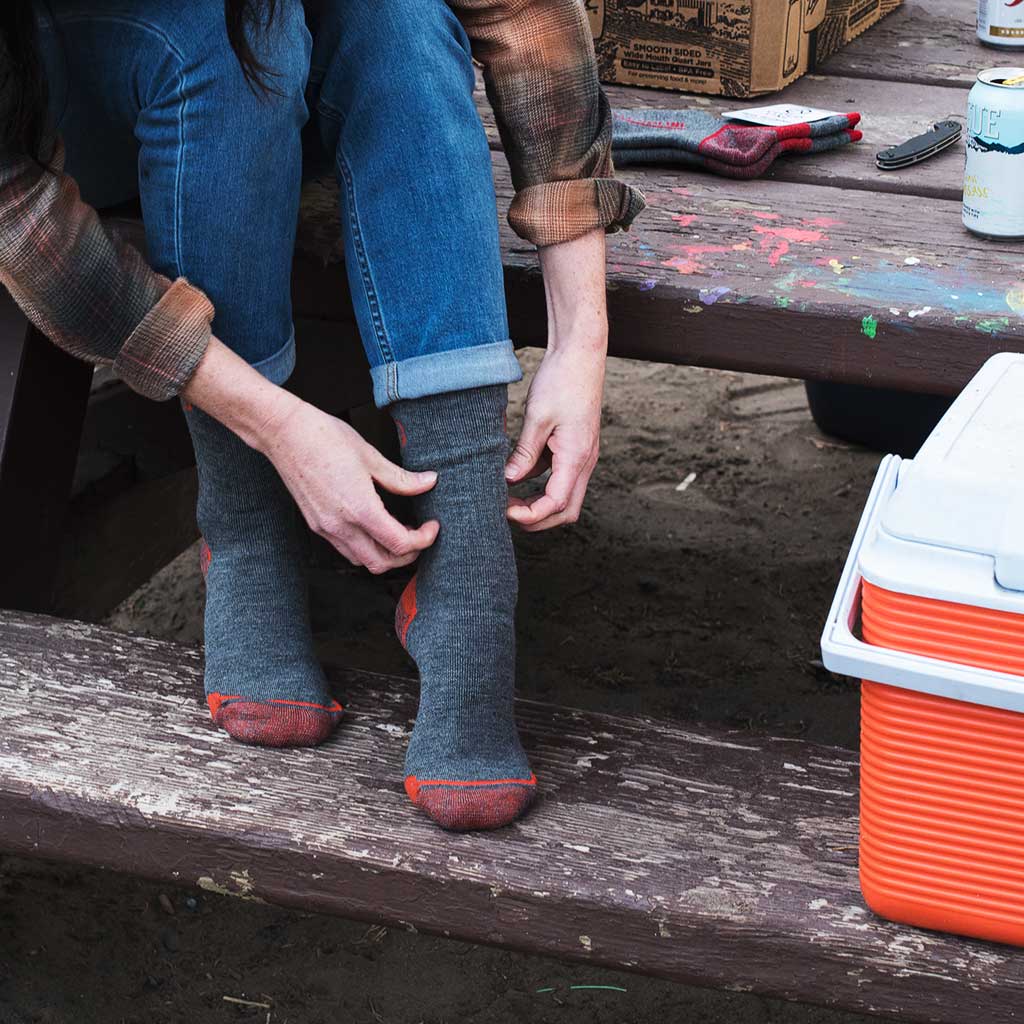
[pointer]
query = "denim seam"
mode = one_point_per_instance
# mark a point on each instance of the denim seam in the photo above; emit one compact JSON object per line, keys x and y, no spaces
{"x":369,"y":287}
{"x":179,"y":213}
{"x":144,"y":26}
{"x":364,"y":267}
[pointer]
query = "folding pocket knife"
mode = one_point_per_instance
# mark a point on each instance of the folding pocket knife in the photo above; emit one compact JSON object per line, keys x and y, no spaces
{"x":942,"y":135}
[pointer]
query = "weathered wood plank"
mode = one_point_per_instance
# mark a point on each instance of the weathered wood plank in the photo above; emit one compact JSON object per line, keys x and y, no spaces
{"x":875,"y":288}
{"x":774,"y":277}
{"x":893,"y":112}
{"x":932,"y":42}
{"x":721,"y":859}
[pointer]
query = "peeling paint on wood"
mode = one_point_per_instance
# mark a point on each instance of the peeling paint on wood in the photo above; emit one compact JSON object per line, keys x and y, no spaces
{"x":720,"y":872}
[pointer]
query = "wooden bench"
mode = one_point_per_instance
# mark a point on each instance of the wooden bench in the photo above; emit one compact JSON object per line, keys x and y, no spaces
{"x":721,"y":859}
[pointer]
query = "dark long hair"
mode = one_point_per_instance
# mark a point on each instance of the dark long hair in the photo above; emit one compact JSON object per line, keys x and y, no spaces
{"x":23,"y":93}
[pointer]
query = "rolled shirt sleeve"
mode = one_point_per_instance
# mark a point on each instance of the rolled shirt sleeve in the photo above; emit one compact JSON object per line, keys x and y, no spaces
{"x":553,"y":117}
{"x":89,"y":292}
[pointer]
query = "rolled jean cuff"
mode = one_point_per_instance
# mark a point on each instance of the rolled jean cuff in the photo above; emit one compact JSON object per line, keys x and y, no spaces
{"x":277,"y":368}
{"x":440,"y":372}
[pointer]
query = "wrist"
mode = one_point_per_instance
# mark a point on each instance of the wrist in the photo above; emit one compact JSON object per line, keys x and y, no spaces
{"x":227,"y":388}
{"x":266,"y":418}
{"x":581,"y":339}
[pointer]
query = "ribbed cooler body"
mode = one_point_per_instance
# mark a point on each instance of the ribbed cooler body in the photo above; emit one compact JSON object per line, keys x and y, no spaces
{"x":942,"y":781}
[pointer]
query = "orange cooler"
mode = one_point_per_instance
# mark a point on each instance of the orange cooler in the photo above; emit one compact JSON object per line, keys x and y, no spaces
{"x":930,"y":615}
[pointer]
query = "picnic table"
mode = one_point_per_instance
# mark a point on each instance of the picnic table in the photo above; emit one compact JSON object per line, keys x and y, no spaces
{"x":829,"y":268}
{"x":737,"y":863}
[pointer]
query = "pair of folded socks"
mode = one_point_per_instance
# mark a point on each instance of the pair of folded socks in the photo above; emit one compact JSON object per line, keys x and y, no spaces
{"x":465,"y":766}
{"x":698,"y":138}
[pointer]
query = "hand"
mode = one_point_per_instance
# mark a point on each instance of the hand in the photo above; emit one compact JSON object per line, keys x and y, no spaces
{"x":561,"y":429}
{"x":330,"y":471}
{"x":562,"y":426}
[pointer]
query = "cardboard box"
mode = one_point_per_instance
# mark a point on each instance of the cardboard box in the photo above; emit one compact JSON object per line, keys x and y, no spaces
{"x":726,"y":47}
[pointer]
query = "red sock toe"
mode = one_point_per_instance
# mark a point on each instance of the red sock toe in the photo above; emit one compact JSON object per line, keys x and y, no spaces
{"x":275,"y":723}
{"x":466,"y":806}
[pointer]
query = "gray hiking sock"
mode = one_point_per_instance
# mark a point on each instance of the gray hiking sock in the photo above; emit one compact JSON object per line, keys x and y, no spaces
{"x":263,"y":682}
{"x":465,"y":765}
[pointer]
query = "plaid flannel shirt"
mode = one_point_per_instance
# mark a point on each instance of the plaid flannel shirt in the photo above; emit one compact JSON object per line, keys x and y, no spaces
{"x":96,"y":298}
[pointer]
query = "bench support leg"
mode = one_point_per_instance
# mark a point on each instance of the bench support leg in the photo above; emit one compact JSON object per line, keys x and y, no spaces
{"x":43,"y":398}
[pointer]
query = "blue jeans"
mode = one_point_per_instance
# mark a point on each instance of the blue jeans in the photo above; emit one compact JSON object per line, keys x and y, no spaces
{"x":391,"y":88}
{"x":151,"y":102}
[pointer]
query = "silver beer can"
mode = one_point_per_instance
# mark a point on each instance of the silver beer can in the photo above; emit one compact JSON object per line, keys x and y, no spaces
{"x":994,"y":173}
{"x":1001,"y":23}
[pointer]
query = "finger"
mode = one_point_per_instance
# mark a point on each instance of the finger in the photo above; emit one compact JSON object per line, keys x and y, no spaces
{"x":572,"y":512}
{"x":400,"y":481}
{"x":397,"y":538}
{"x":556,"y":496}
{"x":351,"y":540}
{"x":343,"y":547}
{"x":345,"y":542}
{"x":375,"y":557}
{"x":528,"y":451}
{"x":541,"y":466}
{"x":525,"y":512}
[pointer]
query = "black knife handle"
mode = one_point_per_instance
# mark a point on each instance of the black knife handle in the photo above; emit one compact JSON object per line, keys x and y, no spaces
{"x":942,"y":134}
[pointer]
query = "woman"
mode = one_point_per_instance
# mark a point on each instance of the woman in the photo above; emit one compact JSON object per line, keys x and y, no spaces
{"x":198,"y":106}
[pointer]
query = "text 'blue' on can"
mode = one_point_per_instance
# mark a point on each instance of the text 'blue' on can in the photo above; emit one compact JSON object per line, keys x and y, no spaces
{"x":994,"y":173}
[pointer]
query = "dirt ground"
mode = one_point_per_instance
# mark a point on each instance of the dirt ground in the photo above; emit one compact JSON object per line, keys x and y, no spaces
{"x":702,"y":604}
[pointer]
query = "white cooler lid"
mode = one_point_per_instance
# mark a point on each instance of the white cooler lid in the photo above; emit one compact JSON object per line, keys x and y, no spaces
{"x":844,"y":652}
{"x":953,"y":527}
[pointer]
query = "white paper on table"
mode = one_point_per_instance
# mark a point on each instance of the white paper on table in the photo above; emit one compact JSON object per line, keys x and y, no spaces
{"x":779,"y":114}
